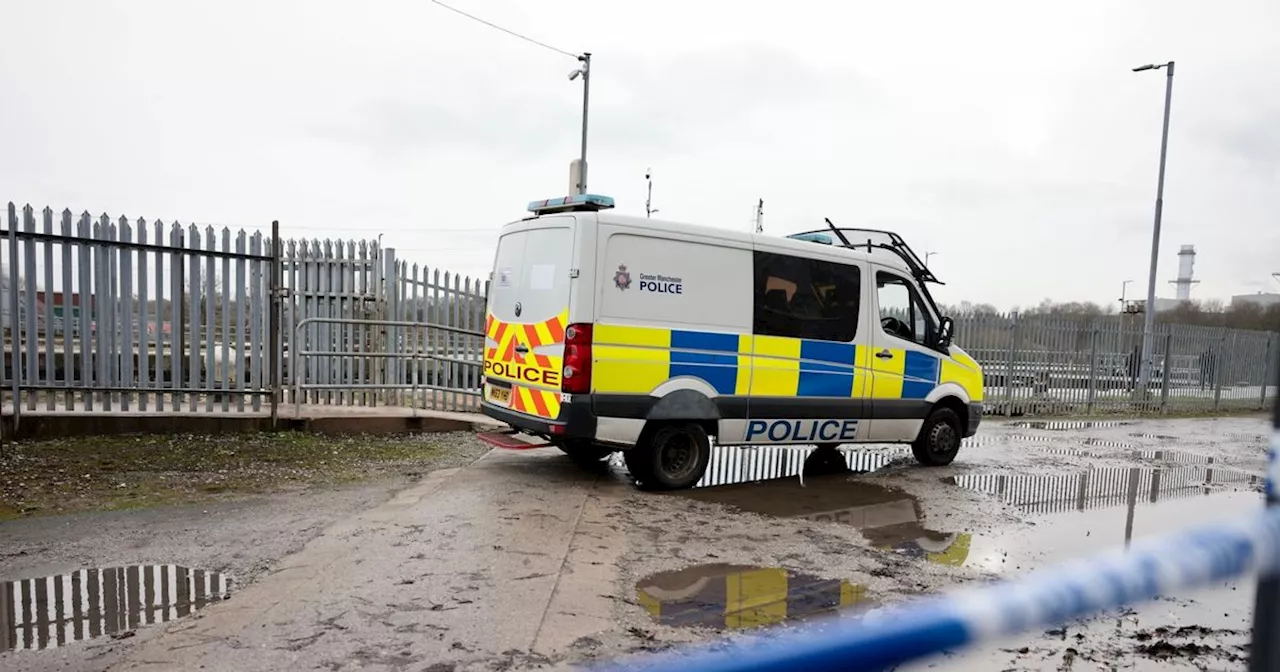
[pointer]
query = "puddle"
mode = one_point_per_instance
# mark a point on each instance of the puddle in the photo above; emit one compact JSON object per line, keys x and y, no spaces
{"x":751,"y":464}
{"x":1073,"y":515}
{"x":1064,"y":425}
{"x":725,"y":596}
{"x":1148,"y":455}
{"x":1106,"y":487}
{"x":889,"y":518}
{"x":1106,"y":443}
{"x":730,"y":465}
{"x":54,"y":611}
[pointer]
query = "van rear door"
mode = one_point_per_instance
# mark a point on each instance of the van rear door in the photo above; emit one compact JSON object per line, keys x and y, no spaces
{"x":528,"y":311}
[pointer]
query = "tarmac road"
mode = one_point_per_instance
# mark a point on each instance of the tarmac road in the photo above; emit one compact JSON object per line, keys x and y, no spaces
{"x":526,"y":560}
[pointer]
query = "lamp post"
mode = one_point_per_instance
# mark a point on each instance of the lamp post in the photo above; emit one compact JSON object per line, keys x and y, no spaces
{"x":1149,"y":320}
{"x":1123,"y":287}
{"x":585,"y":73}
{"x":926,"y":258}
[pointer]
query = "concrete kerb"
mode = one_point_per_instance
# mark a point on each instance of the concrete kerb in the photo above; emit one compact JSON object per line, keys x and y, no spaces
{"x":38,"y":425}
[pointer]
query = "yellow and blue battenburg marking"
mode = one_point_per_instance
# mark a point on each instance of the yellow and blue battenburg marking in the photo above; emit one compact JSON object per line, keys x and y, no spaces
{"x":636,"y":360}
{"x":710,"y":356}
{"x":919,"y":374}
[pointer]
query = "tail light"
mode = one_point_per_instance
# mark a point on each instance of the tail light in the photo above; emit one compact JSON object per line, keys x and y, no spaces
{"x":576,"y":376}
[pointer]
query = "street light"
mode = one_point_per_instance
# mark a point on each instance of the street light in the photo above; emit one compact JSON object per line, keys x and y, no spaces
{"x":1149,"y":321}
{"x":1123,"y":286}
{"x":926,"y":258}
{"x":585,"y":73}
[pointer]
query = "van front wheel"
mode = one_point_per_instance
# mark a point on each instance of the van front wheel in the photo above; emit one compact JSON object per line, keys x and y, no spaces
{"x":672,"y":457}
{"x":939,"y":439}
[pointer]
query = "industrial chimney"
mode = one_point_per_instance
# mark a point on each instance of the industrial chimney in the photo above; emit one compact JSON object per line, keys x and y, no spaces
{"x":1186,"y":272}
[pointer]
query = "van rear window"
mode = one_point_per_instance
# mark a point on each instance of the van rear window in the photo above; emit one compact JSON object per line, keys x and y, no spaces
{"x":531,"y":274}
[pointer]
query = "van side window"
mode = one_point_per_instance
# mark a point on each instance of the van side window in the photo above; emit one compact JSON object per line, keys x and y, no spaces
{"x":902,"y":313}
{"x":806,"y":298}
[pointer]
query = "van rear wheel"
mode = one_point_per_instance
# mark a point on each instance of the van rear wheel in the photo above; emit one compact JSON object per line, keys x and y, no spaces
{"x":672,"y":457}
{"x":939,"y":439}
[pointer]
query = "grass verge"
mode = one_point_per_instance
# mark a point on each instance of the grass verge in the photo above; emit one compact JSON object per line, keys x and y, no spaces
{"x":122,"y":472}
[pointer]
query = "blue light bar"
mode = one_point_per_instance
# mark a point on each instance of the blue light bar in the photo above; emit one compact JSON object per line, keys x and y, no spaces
{"x":813,"y":238}
{"x":577,"y":202}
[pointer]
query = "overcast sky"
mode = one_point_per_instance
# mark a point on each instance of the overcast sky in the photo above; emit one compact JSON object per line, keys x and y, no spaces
{"x":1010,"y":138}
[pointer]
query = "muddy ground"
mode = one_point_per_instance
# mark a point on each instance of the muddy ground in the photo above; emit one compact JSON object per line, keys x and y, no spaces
{"x":110,"y":473}
{"x":526,"y":560}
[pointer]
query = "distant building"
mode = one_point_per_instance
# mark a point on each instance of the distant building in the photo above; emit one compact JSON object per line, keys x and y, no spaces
{"x":1136,"y":306}
{"x":1260,"y":299}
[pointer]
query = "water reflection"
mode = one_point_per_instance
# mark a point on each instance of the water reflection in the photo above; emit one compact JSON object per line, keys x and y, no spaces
{"x":742,"y":596}
{"x":1098,"y":488}
{"x":760,"y":463}
{"x":824,"y":490}
{"x":1064,"y":425}
{"x":54,"y":611}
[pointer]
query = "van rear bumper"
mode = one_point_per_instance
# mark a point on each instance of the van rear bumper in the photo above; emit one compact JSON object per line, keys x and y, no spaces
{"x":576,"y":421}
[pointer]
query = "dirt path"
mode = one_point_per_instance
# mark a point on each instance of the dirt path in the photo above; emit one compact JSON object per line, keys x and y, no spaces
{"x":525,"y":560}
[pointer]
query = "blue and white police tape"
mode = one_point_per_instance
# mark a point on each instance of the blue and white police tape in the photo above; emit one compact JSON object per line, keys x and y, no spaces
{"x":1046,"y":598}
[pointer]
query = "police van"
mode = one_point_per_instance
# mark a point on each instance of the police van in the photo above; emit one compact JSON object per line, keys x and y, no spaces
{"x":607,"y":332}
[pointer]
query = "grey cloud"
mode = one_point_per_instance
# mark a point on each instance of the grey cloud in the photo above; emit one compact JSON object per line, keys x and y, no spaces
{"x":735,"y":93}
{"x":704,"y":98}
{"x":1255,"y":143}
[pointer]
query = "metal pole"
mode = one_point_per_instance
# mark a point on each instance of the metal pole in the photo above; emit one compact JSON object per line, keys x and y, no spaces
{"x":1266,"y":364}
{"x":1093,"y":369}
{"x":1168,"y":365}
{"x":15,"y":281}
{"x":1265,"y":651}
{"x":586,"y":104}
{"x":1012,"y":355}
{"x":274,"y":326}
{"x":1149,"y":319}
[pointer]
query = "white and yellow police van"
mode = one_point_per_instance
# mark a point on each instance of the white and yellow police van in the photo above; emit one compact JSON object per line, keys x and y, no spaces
{"x":607,"y":332}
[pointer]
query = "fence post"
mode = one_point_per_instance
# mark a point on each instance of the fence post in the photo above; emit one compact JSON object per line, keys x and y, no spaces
{"x":13,"y":365}
{"x":1266,"y":369}
{"x":1264,"y":653}
{"x":274,"y":324}
{"x":1093,"y":367}
{"x":1168,"y":362}
{"x":391,"y":298}
{"x":1008,"y":377}
{"x":1217,"y":373}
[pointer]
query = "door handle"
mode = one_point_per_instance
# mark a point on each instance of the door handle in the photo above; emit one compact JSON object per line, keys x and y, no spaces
{"x":884,"y":354}
{"x":522,"y":348}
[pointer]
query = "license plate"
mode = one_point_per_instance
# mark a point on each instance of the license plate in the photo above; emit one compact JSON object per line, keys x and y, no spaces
{"x":500,"y":395}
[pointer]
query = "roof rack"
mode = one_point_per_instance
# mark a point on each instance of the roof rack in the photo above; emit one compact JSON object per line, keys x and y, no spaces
{"x":871,"y":240}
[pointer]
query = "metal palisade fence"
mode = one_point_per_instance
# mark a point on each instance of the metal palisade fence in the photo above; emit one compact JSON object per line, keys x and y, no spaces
{"x":117,"y":315}
{"x":111,"y":314}
{"x":1085,"y":365}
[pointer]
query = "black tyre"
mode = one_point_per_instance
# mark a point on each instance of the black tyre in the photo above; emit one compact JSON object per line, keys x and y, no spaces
{"x":672,"y":457}
{"x":939,"y":439}
{"x":586,"y":452}
{"x":825,"y":460}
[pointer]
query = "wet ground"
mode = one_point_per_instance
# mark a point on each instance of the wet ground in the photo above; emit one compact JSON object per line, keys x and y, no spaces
{"x":526,"y":560}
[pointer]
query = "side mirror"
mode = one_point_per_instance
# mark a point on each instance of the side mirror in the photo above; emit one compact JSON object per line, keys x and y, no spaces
{"x":946,"y":329}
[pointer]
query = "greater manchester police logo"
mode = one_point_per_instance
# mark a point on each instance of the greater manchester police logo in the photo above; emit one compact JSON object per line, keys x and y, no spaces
{"x":622,"y":279}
